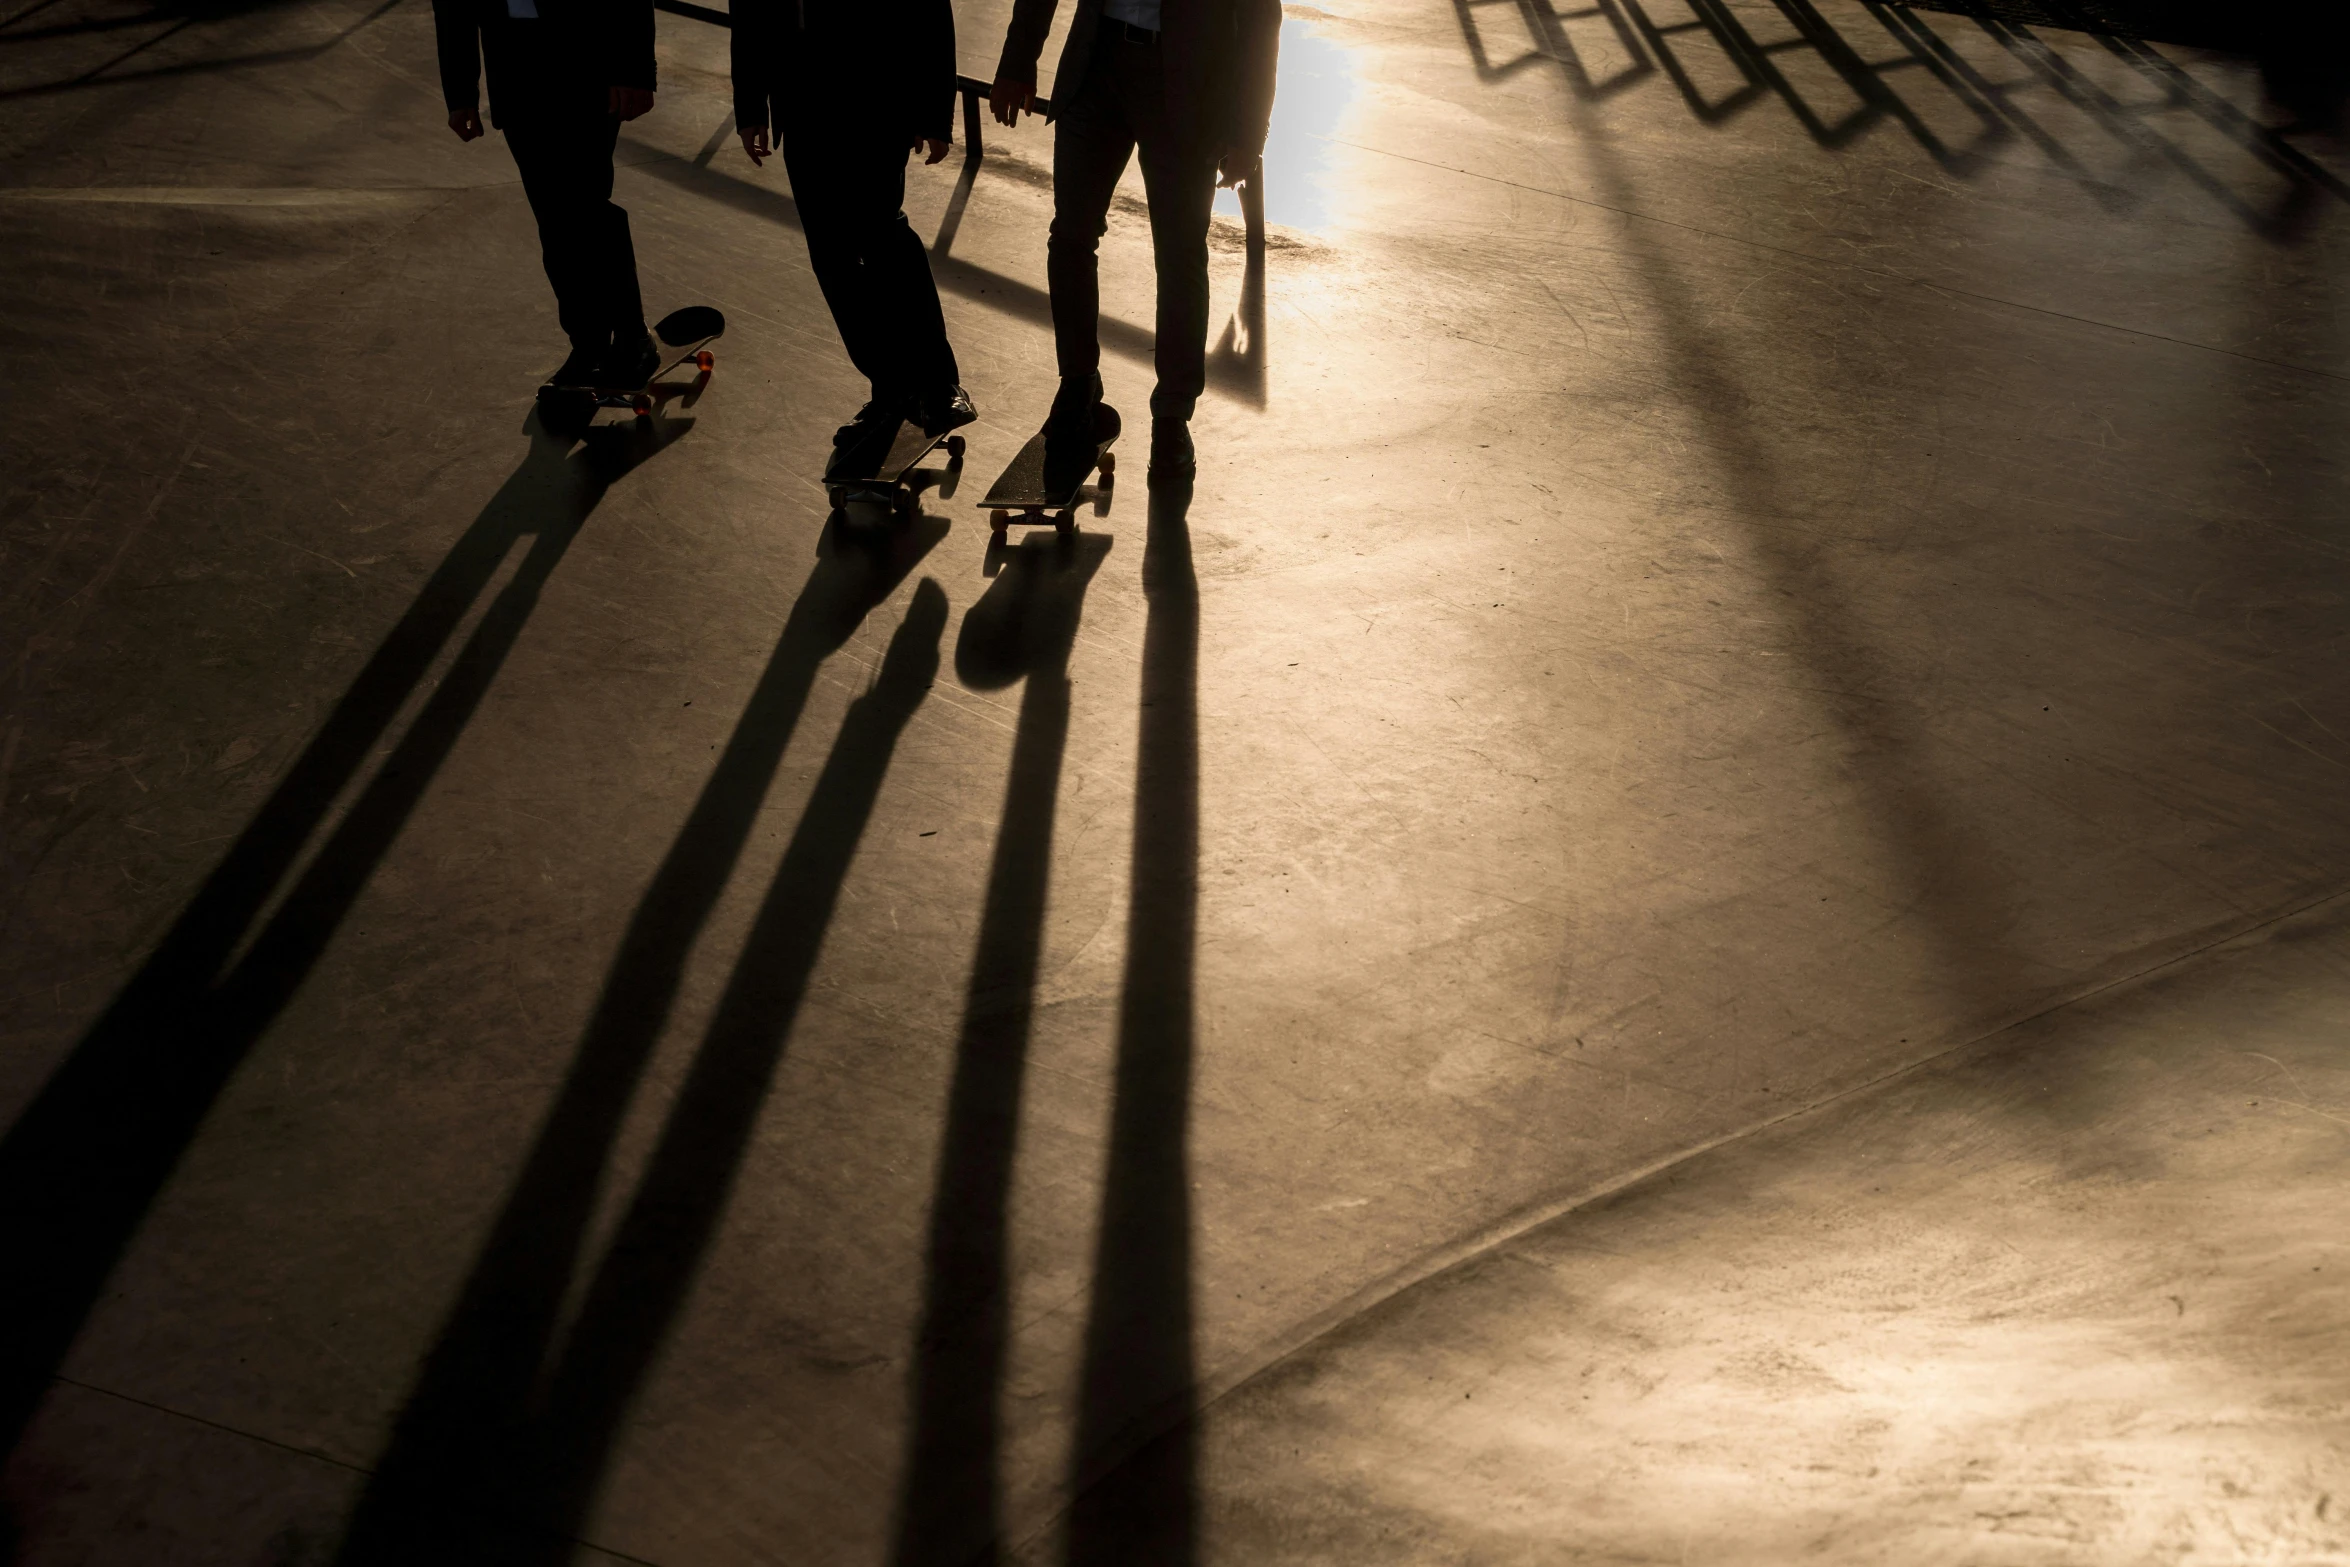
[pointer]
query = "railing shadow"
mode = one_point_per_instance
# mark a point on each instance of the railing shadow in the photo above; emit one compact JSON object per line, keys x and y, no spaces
{"x":84,"y":1162}
{"x":1023,"y":628}
{"x":1947,"y":50}
{"x":496,"y":1455}
{"x":174,"y":21}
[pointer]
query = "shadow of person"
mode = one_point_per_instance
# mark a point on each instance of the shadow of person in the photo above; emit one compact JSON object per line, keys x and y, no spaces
{"x":84,"y":1161}
{"x":1237,"y":362}
{"x":1024,"y":627}
{"x":1136,"y":1380}
{"x":497,"y":1454}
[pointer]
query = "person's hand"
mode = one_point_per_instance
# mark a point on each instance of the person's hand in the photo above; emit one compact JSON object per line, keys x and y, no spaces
{"x":755,"y":141}
{"x":627,"y":103}
{"x":466,"y":123}
{"x":1008,"y":97}
{"x":938,"y":146}
{"x":1233,"y":166}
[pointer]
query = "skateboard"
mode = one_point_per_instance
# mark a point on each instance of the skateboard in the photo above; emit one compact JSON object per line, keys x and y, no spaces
{"x":890,"y":479}
{"x":683,"y":335}
{"x":1023,"y":489}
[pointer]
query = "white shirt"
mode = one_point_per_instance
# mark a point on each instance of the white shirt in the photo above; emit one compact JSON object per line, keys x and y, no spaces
{"x":1139,"y":13}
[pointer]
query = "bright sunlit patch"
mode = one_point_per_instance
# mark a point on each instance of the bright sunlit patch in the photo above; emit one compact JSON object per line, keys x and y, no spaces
{"x":1316,"y":86}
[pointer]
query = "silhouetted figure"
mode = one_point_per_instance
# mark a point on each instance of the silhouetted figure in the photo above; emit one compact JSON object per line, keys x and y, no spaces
{"x":1189,"y":83}
{"x":563,"y":74}
{"x":848,"y":89}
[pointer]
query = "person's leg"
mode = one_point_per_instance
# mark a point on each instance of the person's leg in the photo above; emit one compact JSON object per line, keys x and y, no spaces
{"x":566,"y":165}
{"x":611,"y":249}
{"x":909,"y":324}
{"x":1179,"y":177}
{"x":1091,"y":143}
{"x":549,"y":168}
{"x":825,"y":183}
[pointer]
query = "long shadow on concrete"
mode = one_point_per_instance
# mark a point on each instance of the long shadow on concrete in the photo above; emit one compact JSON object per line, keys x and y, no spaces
{"x":1022,"y":629}
{"x":497,"y":1454}
{"x":1139,"y":1359}
{"x":81,"y":1166}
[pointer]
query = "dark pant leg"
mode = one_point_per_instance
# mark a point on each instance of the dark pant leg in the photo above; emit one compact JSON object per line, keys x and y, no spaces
{"x":850,"y":186}
{"x":566,"y":166}
{"x":1091,"y":143}
{"x":1179,"y":178}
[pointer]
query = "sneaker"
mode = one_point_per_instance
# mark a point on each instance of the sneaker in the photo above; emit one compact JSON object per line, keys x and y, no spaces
{"x":1070,"y":433}
{"x":860,"y":444}
{"x":580,"y":369}
{"x":631,"y":361}
{"x":1172,"y":459}
{"x":876,"y":414}
{"x":941,"y":411}
{"x":1071,"y":420}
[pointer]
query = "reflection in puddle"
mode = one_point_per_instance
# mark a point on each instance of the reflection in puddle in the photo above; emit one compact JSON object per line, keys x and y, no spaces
{"x":1317,"y":84}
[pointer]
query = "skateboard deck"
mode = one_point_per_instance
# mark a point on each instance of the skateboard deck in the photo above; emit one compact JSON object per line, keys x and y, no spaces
{"x":683,"y":335}
{"x":889,"y":478}
{"x":1023,"y":488}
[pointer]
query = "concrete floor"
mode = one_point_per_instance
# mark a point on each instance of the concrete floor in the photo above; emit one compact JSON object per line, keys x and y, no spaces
{"x":1749,"y":709}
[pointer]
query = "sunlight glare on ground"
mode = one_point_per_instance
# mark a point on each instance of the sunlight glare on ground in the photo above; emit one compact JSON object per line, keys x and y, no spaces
{"x":1319,"y":80}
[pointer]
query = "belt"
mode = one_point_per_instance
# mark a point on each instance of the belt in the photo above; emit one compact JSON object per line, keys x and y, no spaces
{"x":1131,"y":33}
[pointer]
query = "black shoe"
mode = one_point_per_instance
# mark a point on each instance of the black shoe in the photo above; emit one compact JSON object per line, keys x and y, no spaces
{"x":875,"y":415}
{"x":1172,"y":458}
{"x":631,"y":361}
{"x":859,"y":445}
{"x":580,"y":369}
{"x":944,"y":410}
{"x":1071,"y":422}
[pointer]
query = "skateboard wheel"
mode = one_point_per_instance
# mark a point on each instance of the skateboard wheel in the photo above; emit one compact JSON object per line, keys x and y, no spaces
{"x":643,"y":407}
{"x":705,"y":359}
{"x":999,"y":519}
{"x":1109,"y":464}
{"x":955,"y":448}
{"x":1065,"y":522}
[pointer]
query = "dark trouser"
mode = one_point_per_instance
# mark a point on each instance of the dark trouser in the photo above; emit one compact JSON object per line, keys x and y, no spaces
{"x":565,"y":156}
{"x":1122,"y":104}
{"x":849,"y":182}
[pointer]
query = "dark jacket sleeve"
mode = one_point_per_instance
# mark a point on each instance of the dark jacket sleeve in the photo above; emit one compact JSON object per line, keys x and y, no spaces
{"x":934,"y":85}
{"x":1024,"y":39}
{"x":457,"y":38}
{"x":628,"y":34}
{"x":1257,"y":56}
{"x":753,"y":51}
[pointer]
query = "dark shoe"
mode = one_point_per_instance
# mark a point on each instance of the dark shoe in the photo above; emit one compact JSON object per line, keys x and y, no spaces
{"x":631,"y":361}
{"x":1071,"y":421}
{"x":580,"y":369}
{"x":859,"y":445}
{"x":1172,"y":458}
{"x":878,"y":414}
{"x":941,"y":411}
